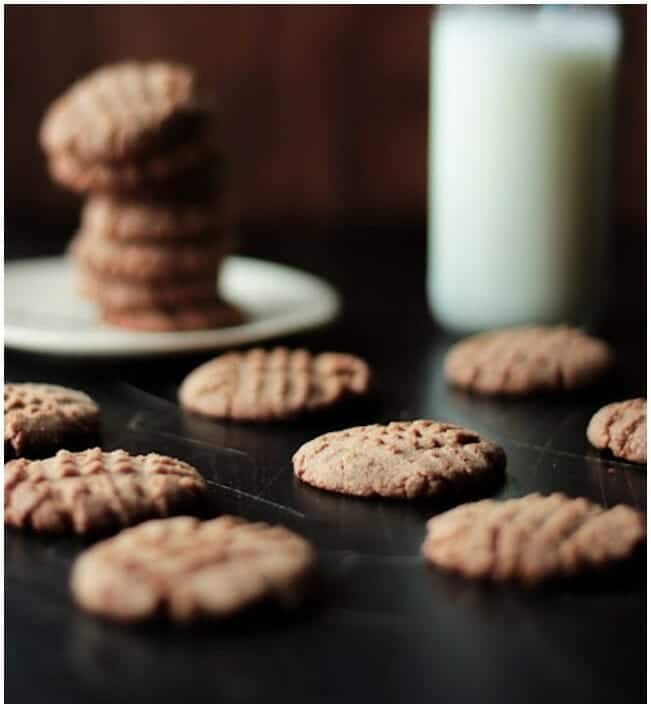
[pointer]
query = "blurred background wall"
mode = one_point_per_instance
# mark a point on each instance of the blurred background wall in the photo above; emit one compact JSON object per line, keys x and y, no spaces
{"x":325,"y":107}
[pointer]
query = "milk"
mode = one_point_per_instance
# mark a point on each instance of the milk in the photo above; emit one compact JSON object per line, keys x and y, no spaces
{"x":520,"y":122}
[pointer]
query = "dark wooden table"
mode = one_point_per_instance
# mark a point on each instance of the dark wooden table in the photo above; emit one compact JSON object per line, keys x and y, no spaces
{"x":384,"y":627}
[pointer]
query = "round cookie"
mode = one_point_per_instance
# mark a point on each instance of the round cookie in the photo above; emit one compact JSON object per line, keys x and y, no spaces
{"x":115,"y":294}
{"x":198,"y":315}
{"x":532,"y":539}
{"x":121,"y":111}
{"x":621,"y":428}
{"x":184,"y":169}
{"x":279,"y":384}
{"x":39,"y":417}
{"x":149,"y":262}
{"x":526,"y":360}
{"x":128,"y":220}
{"x":185,"y":569}
{"x":92,"y":491}
{"x":404,"y":460}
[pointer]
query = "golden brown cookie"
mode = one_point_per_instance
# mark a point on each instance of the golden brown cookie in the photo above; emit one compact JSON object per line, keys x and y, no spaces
{"x":39,"y":417}
{"x":91,"y":491}
{"x":260,"y":385}
{"x":183,"y":169}
{"x":532,"y":539}
{"x":197,"y":315}
{"x":420,"y":458}
{"x":621,"y":428}
{"x":121,"y":112}
{"x":184,"y":569}
{"x":115,"y":294}
{"x":149,"y":262}
{"x":526,"y":360}
{"x":138,"y":220}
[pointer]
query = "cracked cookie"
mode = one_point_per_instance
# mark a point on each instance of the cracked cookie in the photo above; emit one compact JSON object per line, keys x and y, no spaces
{"x":40,"y":417}
{"x":420,"y":458}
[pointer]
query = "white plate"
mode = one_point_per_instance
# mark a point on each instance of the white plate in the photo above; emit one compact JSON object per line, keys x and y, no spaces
{"x":44,"y":314}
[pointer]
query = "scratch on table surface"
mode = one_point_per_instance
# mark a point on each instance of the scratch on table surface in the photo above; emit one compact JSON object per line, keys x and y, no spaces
{"x":350,"y":557}
{"x":547,"y":447}
{"x":386,"y":529}
{"x":394,"y":617}
{"x":572,"y":455}
{"x":256,"y":498}
{"x":269,"y":482}
{"x":604,"y":496}
{"x":185,"y":439}
{"x":141,"y":393}
{"x":634,"y":496}
{"x":135,"y":422}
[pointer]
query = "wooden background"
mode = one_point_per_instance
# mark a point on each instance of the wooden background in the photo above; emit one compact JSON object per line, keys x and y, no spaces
{"x":325,"y":107}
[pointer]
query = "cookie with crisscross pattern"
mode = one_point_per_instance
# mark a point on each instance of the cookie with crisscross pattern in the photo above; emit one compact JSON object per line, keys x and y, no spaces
{"x":532,"y":539}
{"x":621,"y":428}
{"x":525,"y":360}
{"x":279,"y":384}
{"x":185,"y":569}
{"x":92,"y":491}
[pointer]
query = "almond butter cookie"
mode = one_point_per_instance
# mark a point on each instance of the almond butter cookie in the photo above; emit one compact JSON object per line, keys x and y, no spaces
{"x":197,"y":315}
{"x":121,"y":111}
{"x":195,"y":163}
{"x":120,"y":294}
{"x":40,"y":417}
{"x":532,"y":539}
{"x":527,"y":360}
{"x":184,"y":569}
{"x":260,"y":385}
{"x":93,"y":491}
{"x":148,"y":262}
{"x":404,"y":460}
{"x":139,"y":220}
{"x":621,"y":428}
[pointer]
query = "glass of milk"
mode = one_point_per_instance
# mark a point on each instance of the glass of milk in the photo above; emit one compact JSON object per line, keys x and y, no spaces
{"x":521,"y":104}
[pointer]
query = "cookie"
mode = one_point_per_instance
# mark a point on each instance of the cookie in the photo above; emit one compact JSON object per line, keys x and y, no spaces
{"x":403,"y":460}
{"x":121,"y":112}
{"x":92,"y":491}
{"x":198,"y":315}
{"x":526,"y":360}
{"x":184,"y":169}
{"x":532,"y":539}
{"x":147,"y":262}
{"x":40,"y":417}
{"x":621,"y":428}
{"x":184,"y":570}
{"x":279,"y":384}
{"x":115,"y":294}
{"x":137,"y":220}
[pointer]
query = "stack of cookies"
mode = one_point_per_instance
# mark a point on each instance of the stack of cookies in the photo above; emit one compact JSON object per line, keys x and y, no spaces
{"x":139,"y":141}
